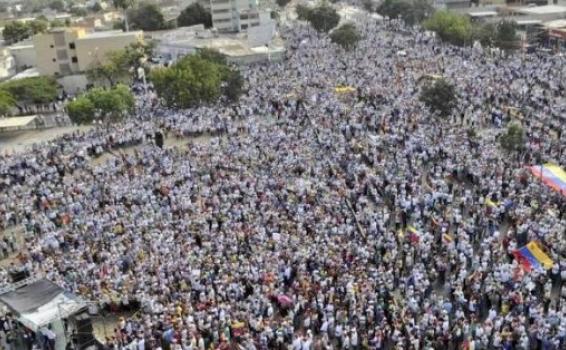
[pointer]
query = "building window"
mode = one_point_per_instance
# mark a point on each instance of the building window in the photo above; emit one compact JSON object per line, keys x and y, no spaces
{"x":244,"y":26}
{"x":72,"y":46}
{"x":59,"y":39}
{"x":62,"y":55}
{"x":51,"y":46}
{"x":54,"y":60}
{"x":65,"y":69}
{"x":74,"y":59}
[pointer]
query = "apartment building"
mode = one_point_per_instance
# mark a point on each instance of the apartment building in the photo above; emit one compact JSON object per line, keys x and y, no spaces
{"x":234,"y":15}
{"x":65,"y":51}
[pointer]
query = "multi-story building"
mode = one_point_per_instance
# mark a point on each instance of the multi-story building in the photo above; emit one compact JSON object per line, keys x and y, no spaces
{"x":234,"y":15}
{"x":65,"y":51}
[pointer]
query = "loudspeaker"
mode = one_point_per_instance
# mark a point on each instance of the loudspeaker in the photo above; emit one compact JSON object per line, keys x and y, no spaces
{"x":159,"y":139}
{"x":19,"y":276}
{"x":83,"y":324}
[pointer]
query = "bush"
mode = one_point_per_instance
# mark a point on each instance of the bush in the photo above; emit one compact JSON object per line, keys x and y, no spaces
{"x":197,"y":79}
{"x":32,"y":90}
{"x":109,"y":105}
{"x":323,"y":18}
{"x":194,"y":14}
{"x":450,"y":27}
{"x":346,"y":36}
{"x":283,"y":3}
{"x":303,"y":12}
{"x":439,"y":97}
{"x":513,"y":140}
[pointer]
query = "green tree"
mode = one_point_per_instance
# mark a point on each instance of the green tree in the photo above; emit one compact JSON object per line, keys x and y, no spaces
{"x":124,"y":5}
{"x":506,"y":35}
{"x":197,"y":79}
{"x":212,"y":55}
{"x":233,"y":84}
{"x":485,"y":34}
{"x":189,"y":82}
{"x":439,"y":97}
{"x":113,"y":68}
{"x":56,"y":23}
{"x":346,"y":36}
{"x":450,"y":27}
{"x":194,"y":14}
{"x":81,"y":110}
{"x":37,"y":90}
{"x":303,"y":12}
{"x":369,"y":5}
{"x":38,"y":26}
{"x":78,"y":11}
{"x":57,"y":5}
{"x":96,"y":8}
{"x":323,"y":18}
{"x":283,"y":3}
{"x":513,"y":140}
{"x":146,"y":16}
{"x":15,"y":31}
{"x":108,"y":105}
{"x":7,"y":102}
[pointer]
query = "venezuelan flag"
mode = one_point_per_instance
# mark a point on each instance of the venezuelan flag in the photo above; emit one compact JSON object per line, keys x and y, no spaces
{"x":531,"y":257}
{"x":447,"y":238}
{"x":491,"y":203}
{"x":552,"y":175}
{"x":413,"y":234}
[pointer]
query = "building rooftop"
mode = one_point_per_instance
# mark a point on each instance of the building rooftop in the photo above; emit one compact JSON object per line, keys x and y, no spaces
{"x":110,"y":34}
{"x":542,"y":10}
{"x":557,"y":24}
{"x":482,"y":14}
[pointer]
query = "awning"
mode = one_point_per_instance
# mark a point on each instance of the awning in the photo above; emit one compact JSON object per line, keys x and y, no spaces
{"x":16,"y":122}
{"x":40,"y":303}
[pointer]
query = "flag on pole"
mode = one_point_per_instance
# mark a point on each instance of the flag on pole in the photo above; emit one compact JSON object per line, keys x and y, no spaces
{"x":531,"y":256}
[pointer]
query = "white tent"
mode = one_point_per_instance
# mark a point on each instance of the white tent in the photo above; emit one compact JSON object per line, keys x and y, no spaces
{"x":40,"y":303}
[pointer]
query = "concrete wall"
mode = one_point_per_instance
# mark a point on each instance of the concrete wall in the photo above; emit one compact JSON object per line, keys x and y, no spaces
{"x":73,"y":84}
{"x":24,"y":55}
{"x":94,"y":49}
{"x":54,"y":51}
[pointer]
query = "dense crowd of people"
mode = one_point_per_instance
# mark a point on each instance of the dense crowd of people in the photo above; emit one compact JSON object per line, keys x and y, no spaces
{"x":311,"y":219}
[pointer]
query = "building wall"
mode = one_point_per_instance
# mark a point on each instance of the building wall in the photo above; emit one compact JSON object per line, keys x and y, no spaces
{"x":90,"y":50}
{"x":56,"y":51}
{"x":24,"y":55}
{"x":70,"y":51}
{"x":234,"y":15}
{"x":7,"y":64}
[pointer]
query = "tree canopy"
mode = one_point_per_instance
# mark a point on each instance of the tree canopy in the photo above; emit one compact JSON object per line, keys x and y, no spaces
{"x":7,"y":102}
{"x":506,"y":35}
{"x":323,"y":18}
{"x":196,"y":79}
{"x":346,"y":36}
{"x":194,"y":14}
{"x":439,"y":97}
{"x":17,"y":31}
{"x":57,"y":5}
{"x":410,"y":11}
{"x":282,"y":3}
{"x":303,"y":12}
{"x":37,"y":90}
{"x":108,"y":105}
{"x":117,"y":66}
{"x":513,"y":140}
{"x":146,"y":16}
{"x":450,"y":27}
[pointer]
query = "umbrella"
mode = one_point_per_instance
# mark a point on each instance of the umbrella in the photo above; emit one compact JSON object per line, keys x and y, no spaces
{"x":284,"y":300}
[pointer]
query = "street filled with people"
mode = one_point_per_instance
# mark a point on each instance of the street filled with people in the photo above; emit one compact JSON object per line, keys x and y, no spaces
{"x":311,"y":218}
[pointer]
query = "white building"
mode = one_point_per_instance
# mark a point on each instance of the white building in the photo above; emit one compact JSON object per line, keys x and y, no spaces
{"x":7,"y":64}
{"x":234,"y":15}
{"x":238,"y":48}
